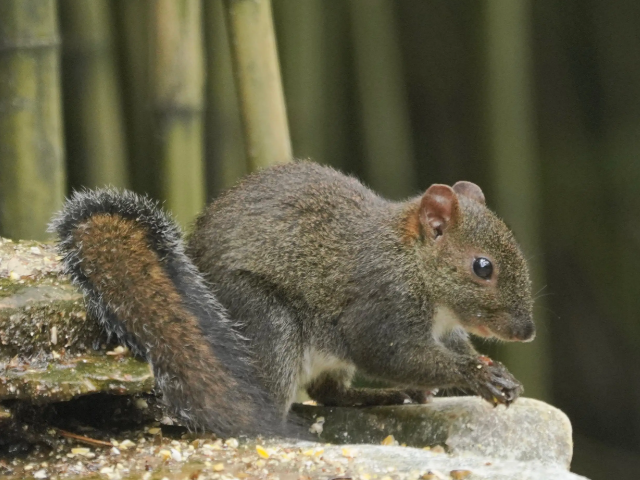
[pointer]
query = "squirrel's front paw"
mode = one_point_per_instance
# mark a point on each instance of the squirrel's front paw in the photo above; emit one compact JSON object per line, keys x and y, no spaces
{"x":493,"y":382}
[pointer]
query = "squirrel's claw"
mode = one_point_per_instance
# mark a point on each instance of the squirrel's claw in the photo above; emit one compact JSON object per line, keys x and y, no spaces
{"x":493,"y":382}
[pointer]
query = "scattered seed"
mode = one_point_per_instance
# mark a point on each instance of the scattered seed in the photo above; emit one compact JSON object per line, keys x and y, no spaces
{"x":125,"y":444}
{"x":262,"y":452}
{"x":347,"y":452}
{"x":318,"y":426}
{"x":389,"y":440}
{"x":119,"y":350}
{"x":176,"y":455}
{"x":459,"y":474}
{"x":231,"y":443}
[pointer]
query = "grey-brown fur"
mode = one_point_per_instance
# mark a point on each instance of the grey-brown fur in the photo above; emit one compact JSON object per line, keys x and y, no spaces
{"x":320,"y":275}
{"x":309,"y":260}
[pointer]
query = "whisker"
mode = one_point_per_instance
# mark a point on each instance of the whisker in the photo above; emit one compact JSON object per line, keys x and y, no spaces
{"x":555,"y":315}
{"x":540,"y":290}
{"x":533,"y":256}
{"x":543,"y":295}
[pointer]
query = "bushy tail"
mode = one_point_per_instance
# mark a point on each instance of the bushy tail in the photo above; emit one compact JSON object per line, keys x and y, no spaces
{"x":128,"y":257}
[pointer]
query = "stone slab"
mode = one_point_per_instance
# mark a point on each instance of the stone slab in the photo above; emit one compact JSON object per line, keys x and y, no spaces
{"x":527,"y":430}
{"x":71,"y":376}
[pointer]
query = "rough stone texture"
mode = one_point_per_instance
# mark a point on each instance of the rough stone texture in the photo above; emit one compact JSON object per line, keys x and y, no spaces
{"x":40,"y":312}
{"x":151,"y":456}
{"x":527,"y":430}
{"x":387,"y":461}
{"x":47,"y":354}
{"x":47,"y":344}
{"x":68,"y":377}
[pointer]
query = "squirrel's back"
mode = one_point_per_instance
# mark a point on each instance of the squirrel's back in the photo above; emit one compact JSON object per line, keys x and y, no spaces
{"x":295,"y":226}
{"x":128,"y":258}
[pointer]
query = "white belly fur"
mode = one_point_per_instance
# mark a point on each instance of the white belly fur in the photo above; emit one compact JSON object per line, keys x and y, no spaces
{"x":315,"y":363}
{"x":444,"y":321}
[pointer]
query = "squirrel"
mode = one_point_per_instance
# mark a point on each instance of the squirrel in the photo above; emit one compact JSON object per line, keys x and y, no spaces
{"x":292,"y":280}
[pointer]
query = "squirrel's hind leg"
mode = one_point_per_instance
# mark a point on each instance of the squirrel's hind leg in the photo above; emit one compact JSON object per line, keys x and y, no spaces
{"x":274,"y":334}
{"x":333,"y":389}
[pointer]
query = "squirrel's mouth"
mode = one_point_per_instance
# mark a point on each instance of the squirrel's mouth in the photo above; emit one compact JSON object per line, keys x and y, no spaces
{"x":480,"y":331}
{"x":498,"y":324}
{"x":505,"y":327}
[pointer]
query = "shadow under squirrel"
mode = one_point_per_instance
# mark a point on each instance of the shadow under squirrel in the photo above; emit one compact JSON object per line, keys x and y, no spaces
{"x":295,"y":278}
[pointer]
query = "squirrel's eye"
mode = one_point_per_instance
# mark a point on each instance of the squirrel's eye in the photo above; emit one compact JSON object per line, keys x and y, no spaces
{"x":483,"y":268}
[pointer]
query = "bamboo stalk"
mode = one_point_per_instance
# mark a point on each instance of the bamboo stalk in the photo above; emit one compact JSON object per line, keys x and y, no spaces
{"x":301,"y":41}
{"x":337,"y":149}
{"x":32,"y":180}
{"x":95,"y":137}
{"x":384,"y":110}
{"x":257,"y":75}
{"x":133,"y":33}
{"x":618,"y":150}
{"x":514,"y":163}
{"x":226,"y":160}
{"x":178,"y":104}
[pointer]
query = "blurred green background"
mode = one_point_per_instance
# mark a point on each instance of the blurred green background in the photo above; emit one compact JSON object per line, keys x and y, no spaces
{"x":536,"y":101}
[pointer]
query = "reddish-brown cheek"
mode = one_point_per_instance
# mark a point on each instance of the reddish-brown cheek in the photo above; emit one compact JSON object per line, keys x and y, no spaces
{"x":481,"y":331}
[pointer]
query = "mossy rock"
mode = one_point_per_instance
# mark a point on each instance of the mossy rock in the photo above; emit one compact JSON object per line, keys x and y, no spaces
{"x":70,"y":376}
{"x":41,"y":313}
{"x":50,"y":351}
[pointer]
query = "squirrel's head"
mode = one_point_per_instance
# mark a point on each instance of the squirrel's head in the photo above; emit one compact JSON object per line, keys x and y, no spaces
{"x":481,"y":277}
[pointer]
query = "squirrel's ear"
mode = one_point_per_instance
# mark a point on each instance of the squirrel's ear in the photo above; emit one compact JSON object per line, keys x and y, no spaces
{"x":470,"y":190}
{"x":438,"y":207}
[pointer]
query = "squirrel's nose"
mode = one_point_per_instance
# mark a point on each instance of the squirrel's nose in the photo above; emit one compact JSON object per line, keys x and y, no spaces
{"x":524,"y":330}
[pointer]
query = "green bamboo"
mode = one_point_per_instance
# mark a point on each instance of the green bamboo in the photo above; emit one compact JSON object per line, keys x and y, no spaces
{"x":95,"y":138}
{"x":618,"y":153}
{"x":384,"y":110}
{"x":257,"y":75}
{"x":133,"y":33}
{"x":313,"y":41}
{"x":514,"y":164}
{"x":178,"y":104}
{"x":302,"y":42}
{"x":32,"y":180}
{"x":226,"y":160}
{"x":338,"y":147}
